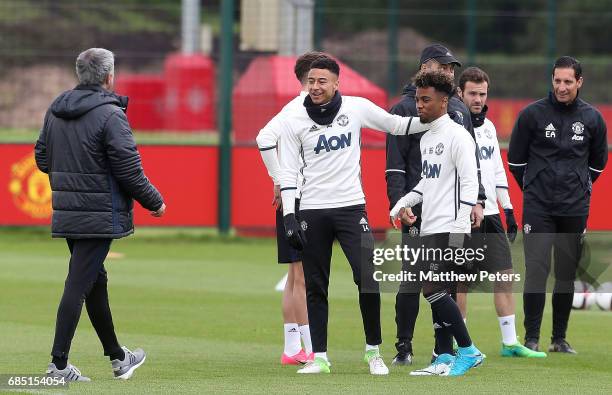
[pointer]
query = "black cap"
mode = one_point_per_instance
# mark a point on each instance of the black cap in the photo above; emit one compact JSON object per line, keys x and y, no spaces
{"x":440,"y":53}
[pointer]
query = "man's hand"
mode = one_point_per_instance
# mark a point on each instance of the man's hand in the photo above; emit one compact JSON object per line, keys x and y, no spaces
{"x":294,"y":232}
{"x":160,"y":211}
{"x":477,"y":215}
{"x":511,"y":225}
{"x":277,"y":202}
{"x":397,"y":212}
{"x":407,"y":217}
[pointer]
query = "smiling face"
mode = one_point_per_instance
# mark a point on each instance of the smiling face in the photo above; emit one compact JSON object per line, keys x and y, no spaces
{"x":322,"y":85}
{"x":430,"y":104}
{"x":565,"y":85}
{"x":474,"y":95}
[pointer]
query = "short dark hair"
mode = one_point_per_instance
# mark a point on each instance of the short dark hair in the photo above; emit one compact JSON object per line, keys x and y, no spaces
{"x":326,"y":63}
{"x":302,"y":64}
{"x":473,"y":74}
{"x":438,"y":80}
{"x":567,"y":62}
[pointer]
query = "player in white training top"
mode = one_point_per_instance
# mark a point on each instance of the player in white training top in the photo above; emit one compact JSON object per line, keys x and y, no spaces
{"x":448,"y":190}
{"x":295,"y":315}
{"x":321,"y":141}
{"x":473,"y":90}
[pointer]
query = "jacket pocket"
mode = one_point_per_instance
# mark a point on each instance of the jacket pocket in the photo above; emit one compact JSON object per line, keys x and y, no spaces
{"x":531,"y":174}
{"x":585,"y":181}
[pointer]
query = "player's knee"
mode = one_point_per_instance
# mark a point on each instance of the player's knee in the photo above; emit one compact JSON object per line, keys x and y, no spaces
{"x":435,"y":295}
{"x":503,"y":286}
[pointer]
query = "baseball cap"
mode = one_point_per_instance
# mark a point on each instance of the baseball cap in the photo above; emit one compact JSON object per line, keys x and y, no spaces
{"x":440,"y":53}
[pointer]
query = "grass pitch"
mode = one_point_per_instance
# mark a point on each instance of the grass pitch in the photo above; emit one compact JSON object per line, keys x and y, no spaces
{"x":204,"y":310}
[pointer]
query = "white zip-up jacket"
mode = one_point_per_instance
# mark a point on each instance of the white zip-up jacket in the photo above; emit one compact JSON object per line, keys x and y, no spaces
{"x":269,"y":136}
{"x":329,"y":156}
{"x":448,"y":187}
{"x":493,"y":175}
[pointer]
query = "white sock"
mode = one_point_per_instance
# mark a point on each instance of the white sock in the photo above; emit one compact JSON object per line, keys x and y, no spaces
{"x":292,"y":339}
{"x":368,"y":347}
{"x":322,"y":355}
{"x":508,"y":330}
{"x":305,"y":332}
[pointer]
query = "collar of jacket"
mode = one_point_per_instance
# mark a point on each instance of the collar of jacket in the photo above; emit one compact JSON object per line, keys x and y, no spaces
{"x":478,"y":119}
{"x":438,"y":124}
{"x":123,"y":100}
{"x":323,"y":114}
{"x":563,"y":107}
{"x":84,"y":87}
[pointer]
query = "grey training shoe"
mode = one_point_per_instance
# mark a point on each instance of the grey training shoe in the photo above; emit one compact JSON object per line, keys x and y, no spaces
{"x":133,"y":359}
{"x":71,"y":373}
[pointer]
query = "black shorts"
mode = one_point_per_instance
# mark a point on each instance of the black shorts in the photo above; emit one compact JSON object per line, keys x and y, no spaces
{"x":497,"y":251}
{"x":286,"y":253}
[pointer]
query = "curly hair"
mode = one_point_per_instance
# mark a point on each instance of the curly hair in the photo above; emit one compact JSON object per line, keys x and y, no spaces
{"x":438,"y":80}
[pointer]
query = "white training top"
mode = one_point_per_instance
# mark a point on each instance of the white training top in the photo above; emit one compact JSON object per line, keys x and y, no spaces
{"x":269,"y":136}
{"x":448,"y":187}
{"x":329,"y":156}
{"x":493,"y":175}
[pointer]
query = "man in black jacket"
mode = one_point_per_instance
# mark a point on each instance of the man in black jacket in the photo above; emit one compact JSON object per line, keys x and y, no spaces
{"x":557,"y":150}
{"x":403,"y":173}
{"x":87,"y":148}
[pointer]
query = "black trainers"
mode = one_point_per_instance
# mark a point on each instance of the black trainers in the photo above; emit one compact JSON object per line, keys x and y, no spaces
{"x":404,"y":354}
{"x":561,"y":345}
{"x":532,"y":344}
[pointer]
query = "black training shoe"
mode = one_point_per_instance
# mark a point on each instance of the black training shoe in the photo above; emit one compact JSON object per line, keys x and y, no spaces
{"x":561,"y":345}
{"x":404,"y":354}
{"x":532,"y":344}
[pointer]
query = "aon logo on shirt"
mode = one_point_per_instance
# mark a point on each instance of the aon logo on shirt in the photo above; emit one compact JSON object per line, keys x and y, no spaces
{"x":485,"y":153}
{"x":333,"y":143}
{"x":431,"y":170}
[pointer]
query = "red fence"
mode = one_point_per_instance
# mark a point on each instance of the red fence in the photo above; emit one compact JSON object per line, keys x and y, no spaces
{"x":187,"y":176}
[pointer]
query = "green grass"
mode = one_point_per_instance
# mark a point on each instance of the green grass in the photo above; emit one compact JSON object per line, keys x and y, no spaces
{"x":29,"y":136}
{"x":205,"y":311}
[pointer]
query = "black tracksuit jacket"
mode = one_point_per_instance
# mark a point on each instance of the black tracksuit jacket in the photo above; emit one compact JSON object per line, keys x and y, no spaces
{"x":556,"y":153}
{"x":87,"y":148}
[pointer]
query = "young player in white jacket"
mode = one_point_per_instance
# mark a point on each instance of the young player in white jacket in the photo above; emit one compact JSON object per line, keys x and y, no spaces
{"x":321,"y":141}
{"x":448,"y":190}
{"x":295,"y":315}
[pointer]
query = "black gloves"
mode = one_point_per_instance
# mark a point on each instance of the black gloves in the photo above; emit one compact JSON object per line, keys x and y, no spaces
{"x":511,"y":225}
{"x":294,"y":232}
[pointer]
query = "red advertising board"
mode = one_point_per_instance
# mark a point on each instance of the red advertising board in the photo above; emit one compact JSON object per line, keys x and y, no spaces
{"x":187,"y":176}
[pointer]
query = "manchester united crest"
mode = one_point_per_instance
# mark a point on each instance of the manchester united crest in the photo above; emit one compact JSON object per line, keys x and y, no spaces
{"x":578,"y":127}
{"x":30,"y":188}
{"x":342,"y":120}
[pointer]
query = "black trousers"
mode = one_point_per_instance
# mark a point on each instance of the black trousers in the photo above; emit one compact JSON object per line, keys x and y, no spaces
{"x":349,"y":225}
{"x":543,"y":235}
{"x":408,"y":296}
{"x":86,"y":282}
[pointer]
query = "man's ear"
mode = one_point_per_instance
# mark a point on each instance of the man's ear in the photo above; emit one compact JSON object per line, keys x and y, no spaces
{"x":579,"y":82}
